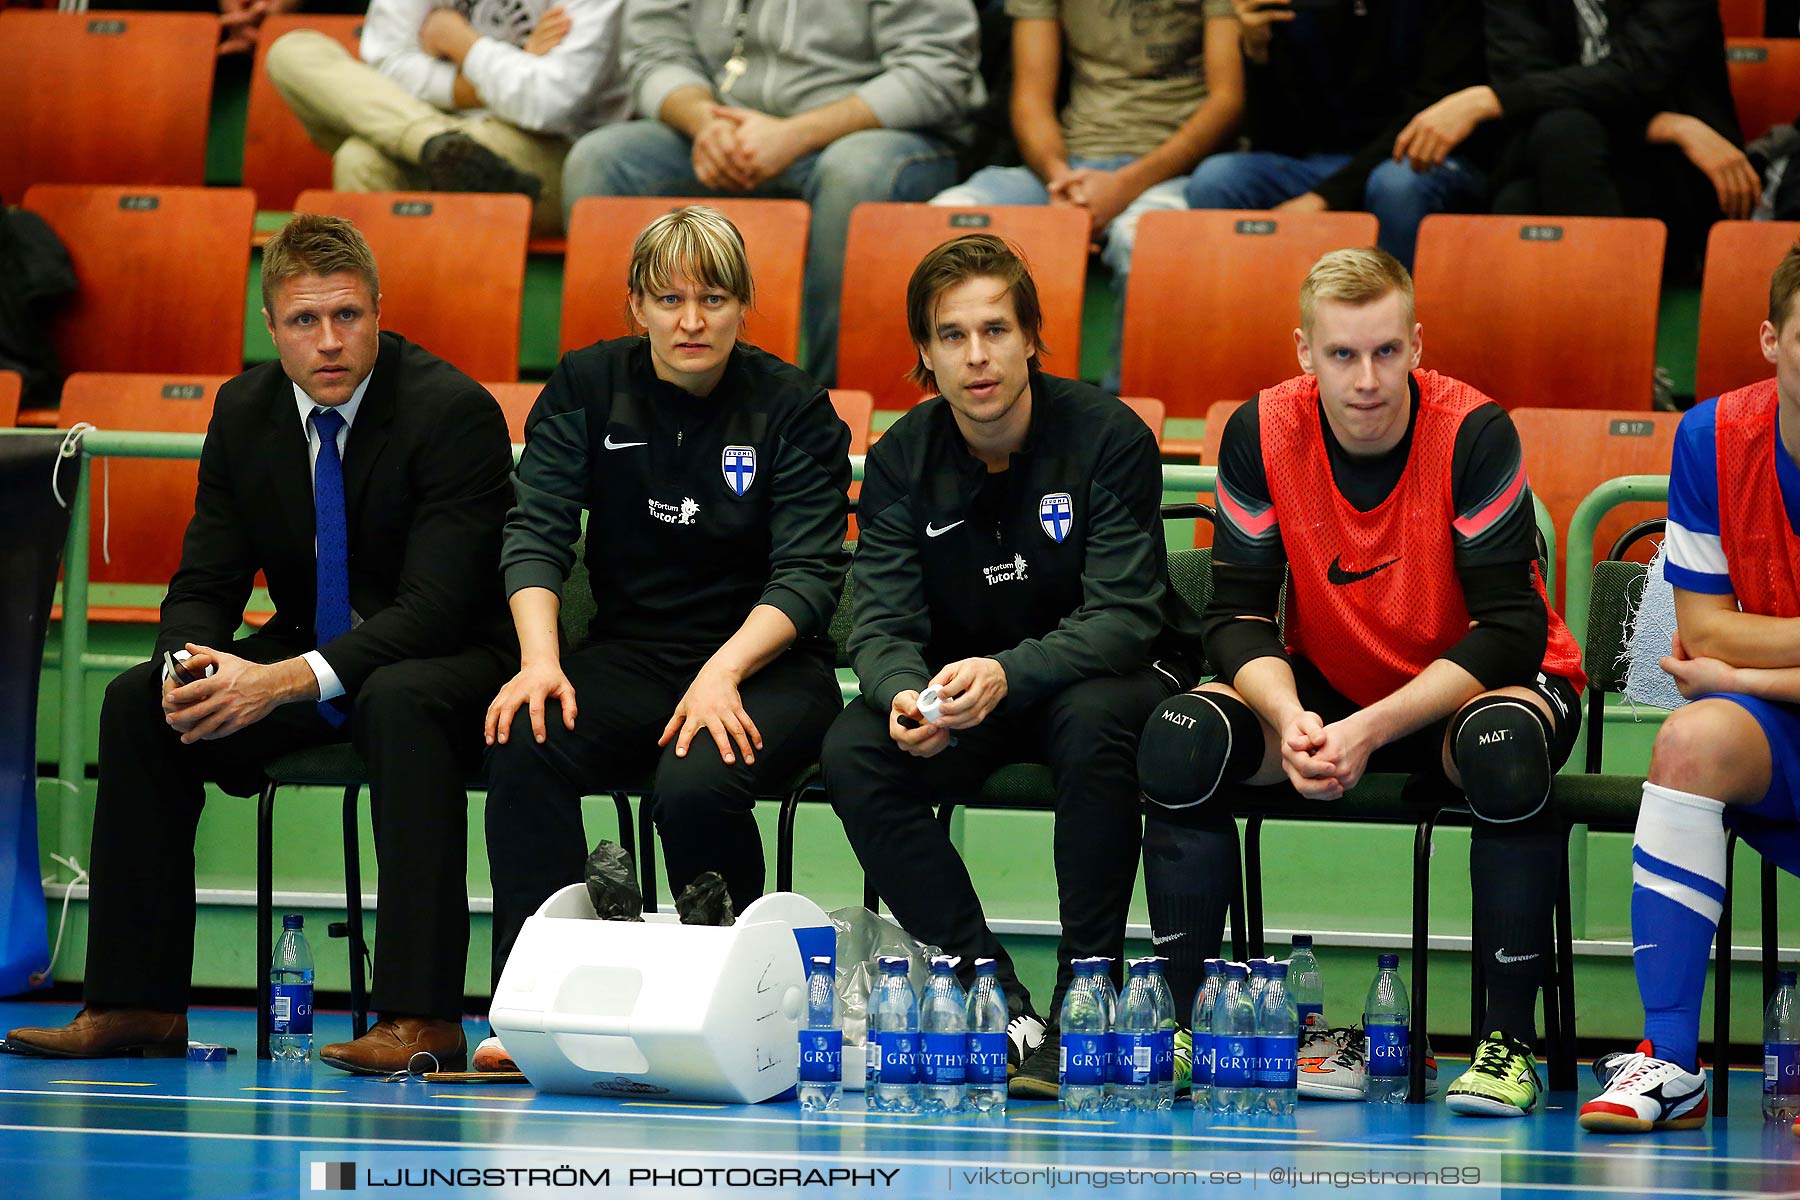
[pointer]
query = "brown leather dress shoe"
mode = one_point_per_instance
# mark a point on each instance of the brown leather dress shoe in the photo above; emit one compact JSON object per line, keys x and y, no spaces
{"x":107,"y":1033}
{"x":393,"y":1043}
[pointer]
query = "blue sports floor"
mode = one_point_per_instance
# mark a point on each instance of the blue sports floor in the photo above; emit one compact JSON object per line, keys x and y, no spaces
{"x":168,"y":1128}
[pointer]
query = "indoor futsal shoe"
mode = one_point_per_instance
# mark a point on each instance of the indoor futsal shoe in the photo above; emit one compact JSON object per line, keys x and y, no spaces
{"x":1501,"y":1082}
{"x":1330,"y":1064}
{"x":1023,"y":1033}
{"x":490,"y":1055}
{"x":1643,"y":1093}
{"x":1039,"y":1077}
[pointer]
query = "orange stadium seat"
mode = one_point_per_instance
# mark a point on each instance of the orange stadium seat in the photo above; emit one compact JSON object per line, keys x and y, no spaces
{"x":10,"y":386}
{"x":602,"y":229}
{"x":1214,"y":298}
{"x":887,"y":241}
{"x":515,"y":400}
{"x":452,"y":269}
{"x":1765,"y":82}
{"x":856,"y":409}
{"x":1570,"y":452}
{"x":141,"y":506}
{"x":104,"y":97}
{"x":162,"y":273}
{"x":280,"y":161}
{"x":1555,"y":312}
{"x":1734,"y":300}
{"x":1743,"y":18}
{"x":1153,"y":412}
{"x":1217,"y":414}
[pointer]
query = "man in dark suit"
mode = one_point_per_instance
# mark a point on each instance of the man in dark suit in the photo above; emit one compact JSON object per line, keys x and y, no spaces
{"x":369,"y":481}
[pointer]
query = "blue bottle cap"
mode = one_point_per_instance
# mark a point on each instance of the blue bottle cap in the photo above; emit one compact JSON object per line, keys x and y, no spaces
{"x":986,"y":966}
{"x":1278,"y":970}
{"x":1138,"y":966}
{"x":293,"y":921}
{"x":893,"y":964}
{"x":1237,"y":971}
{"x":944,"y":964}
{"x":1215,"y":966}
{"x":819,"y":962}
{"x":1388,"y":962}
{"x":1259,"y":967}
{"x":1303,"y":941}
{"x":1787,"y":978}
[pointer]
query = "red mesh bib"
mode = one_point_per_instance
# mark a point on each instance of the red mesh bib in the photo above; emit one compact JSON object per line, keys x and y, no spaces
{"x":1760,"y":548}
{"x":1373,"y":598}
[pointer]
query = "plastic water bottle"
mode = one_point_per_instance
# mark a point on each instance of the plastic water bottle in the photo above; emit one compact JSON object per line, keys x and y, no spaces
{"x":1277,"y":1046}
{"x":1134,"y":1042}
{"x":893,"y":1084}
{"x":1200,"y":1027}
{"x":1082,"y":1071}
{"x":1305,"y":984}
{"x":1386,"y":1017}
{"x":291,"y":993}
{"x":1781,"y":1053}
{"x":1109,"y":999}
{"x":1259,"y":979}
{"x":1163,"y":1060}
{"x":985,"y":1016}
{"x":944,"y":1039}
{"x":1234,"y":1043}
{"x":821,"y":1040}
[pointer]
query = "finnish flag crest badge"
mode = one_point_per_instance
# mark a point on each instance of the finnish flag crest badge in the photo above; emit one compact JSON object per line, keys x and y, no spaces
{"x":1056,"y":513}
{"x":739,"y":465}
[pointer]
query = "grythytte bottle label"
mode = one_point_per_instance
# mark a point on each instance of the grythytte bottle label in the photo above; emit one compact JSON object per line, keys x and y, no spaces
{"x":1136,"y":1057}
{"x":1781,"y":1068}
{"x":896,"y":1057}
{"x":1084,"y":1059}
{"x":987,"y":1058}
{"x":821,"y":1055}
{"x":941,"y":1059}
{"x":1163,"y":1059}
{"x":1234,"y":1058}
{"x":290,"y":1008}
{"x":1275,"y":1062}
{"x":1387,"y":1050}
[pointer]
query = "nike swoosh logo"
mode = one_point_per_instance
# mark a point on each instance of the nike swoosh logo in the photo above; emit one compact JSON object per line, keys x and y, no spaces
{"x":1158,"y":941}
{"x":933,"y":531}
{"x":1339,"y":575}
{"x":612,"y":445}
{"x":1501,"y":955}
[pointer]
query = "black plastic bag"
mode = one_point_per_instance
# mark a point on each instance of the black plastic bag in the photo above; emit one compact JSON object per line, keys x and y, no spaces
{"x":612,"y":884}
{"x":705,"y":901}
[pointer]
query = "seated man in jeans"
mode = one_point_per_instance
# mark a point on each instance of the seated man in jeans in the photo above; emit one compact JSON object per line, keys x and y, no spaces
{"x":850,"y":101}
{"x":479,"y":96}
{"x":1152,"y":91}
{"x":1341,"y":114}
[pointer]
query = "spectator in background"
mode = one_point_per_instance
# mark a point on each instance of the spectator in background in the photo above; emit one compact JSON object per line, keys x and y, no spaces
{"x":1333,"y":93}
{"x":1154,"y":88}
{"x":850,"y":101}
{"x":475,"y":96}
{"x":1612,"y":108}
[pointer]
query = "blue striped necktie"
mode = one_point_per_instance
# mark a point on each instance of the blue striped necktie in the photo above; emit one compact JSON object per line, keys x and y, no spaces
{"x":331,"y":615}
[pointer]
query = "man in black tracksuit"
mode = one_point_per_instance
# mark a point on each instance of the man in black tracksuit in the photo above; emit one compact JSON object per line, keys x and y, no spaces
{"x":1011,"y":555}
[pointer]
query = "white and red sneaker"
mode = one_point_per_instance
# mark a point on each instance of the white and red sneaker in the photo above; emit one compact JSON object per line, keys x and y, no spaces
{"x":492,"y":1056}
{"x":1644,"y":1093}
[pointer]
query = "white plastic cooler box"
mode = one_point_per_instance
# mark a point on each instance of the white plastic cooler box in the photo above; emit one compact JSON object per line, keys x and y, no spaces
{"x":659,"y":1009}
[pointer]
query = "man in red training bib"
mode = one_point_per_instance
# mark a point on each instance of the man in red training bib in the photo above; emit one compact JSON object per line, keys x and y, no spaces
{"x":1416,"y":637}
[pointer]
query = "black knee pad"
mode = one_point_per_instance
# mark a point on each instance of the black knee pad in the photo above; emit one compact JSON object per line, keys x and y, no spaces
{"x":1502,"y":748}
{"x":1194,"y":742}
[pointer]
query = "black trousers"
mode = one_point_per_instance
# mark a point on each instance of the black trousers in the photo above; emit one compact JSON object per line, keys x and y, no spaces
{"x":1088,"y":736}
{"x":703,"y":807}
{"x":1567,"y":162}
{"x":417,"y":725}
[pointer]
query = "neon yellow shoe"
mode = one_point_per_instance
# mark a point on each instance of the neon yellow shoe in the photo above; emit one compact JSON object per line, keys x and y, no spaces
{"x":1501,"y":1082}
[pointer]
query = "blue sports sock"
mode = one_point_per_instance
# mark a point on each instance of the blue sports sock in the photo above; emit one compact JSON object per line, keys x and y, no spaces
{"x":1678,"y":888}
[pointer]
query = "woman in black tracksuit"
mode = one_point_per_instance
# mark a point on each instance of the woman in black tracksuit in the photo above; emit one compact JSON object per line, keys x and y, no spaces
{"x":715,"y":479}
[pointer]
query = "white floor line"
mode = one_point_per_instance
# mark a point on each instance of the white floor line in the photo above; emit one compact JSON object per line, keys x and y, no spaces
{"x":816,"y":1123}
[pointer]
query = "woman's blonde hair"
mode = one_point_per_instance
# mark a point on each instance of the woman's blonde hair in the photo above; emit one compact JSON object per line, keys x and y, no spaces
{"x":696,"y":241}
{"x":1360,"y":276}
